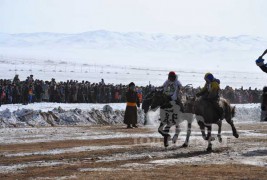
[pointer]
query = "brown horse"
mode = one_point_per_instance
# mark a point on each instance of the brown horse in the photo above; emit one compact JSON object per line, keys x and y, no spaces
{"x":207,"y":115}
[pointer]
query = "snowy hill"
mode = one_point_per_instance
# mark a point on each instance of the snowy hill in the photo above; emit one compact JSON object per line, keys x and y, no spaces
{"x":134,"y":56}
{"x":134,"y":40}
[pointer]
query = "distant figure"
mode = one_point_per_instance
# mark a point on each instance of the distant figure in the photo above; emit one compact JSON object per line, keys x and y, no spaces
{"x":102,"y":82}
{"x":130,"y":117}
{"x":31,"y":80}
{"x":260,"y":62}
{"x":264,"y":105}
{"x":16,"y":79}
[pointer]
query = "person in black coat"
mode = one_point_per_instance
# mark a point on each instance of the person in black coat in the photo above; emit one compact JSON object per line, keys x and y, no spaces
{"x":130,"y":117}
{"x":260,"y":62}
{"x":264,"y":104}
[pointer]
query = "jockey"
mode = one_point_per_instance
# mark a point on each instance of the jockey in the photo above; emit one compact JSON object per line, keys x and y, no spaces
{"x":210,"y":92}
{"x":260,"y":62}
{"x":172,"y":88}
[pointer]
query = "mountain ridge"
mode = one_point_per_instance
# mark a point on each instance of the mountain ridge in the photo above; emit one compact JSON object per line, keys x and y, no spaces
{"x":102,"y":39}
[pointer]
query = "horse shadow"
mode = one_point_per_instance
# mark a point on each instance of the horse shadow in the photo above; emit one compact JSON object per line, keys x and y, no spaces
{"x":260,"y":152}
{"x":198,"y":153}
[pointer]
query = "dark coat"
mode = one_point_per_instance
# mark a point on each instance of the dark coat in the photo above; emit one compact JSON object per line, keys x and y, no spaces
{"x":263,"y":68}
{"x":130,"y":116}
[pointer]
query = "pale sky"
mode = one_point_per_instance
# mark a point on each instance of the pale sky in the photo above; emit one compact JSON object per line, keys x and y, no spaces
{"x":210,"y":17}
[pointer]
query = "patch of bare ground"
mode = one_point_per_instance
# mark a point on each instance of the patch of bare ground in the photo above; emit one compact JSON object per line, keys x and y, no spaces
{"x":133,"y":160}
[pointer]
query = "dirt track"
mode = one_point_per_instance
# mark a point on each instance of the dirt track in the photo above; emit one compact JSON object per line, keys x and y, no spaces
{"x":113,"y":152}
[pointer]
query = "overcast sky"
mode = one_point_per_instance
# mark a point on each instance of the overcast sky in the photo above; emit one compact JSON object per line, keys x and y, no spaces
{"x":210,"y":17}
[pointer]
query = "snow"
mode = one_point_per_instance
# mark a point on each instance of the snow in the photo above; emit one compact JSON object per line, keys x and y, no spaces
{"x":57,"y":114}
{"x":123,"y":58}
{"x":98,"y":169}
{"x":16,"y":168}
{"x":139,"y":57}
{"x":68,"y":150}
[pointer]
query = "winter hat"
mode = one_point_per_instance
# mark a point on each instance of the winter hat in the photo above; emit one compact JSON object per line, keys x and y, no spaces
{"x":172,"y":76}
{"x":209,"y":77}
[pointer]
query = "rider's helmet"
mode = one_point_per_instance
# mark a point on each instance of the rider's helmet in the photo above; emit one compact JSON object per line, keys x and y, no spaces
{"x":172,"y":76}
{"x":208,"y":77}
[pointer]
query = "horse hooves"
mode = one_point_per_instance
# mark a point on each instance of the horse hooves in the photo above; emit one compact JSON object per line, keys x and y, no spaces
{"x":174,"y":139}
{"x":166,"y":140}
{"x":209,"y":149}
{"x":236,"y":135}
{"x":211,"y":138}
{"x":220,"y":140}
{"x":184,"y":145}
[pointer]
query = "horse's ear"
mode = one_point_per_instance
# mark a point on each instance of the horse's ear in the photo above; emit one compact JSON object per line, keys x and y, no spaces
{"x":159,"y":90}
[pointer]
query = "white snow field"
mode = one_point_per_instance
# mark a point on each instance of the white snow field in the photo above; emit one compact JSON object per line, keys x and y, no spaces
{"x":81,"y":141}
{"x":134,"y":56}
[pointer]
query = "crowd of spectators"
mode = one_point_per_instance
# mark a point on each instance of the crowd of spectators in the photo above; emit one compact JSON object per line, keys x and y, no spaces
{"x":234,"y":96}
{"x":33,"y":90}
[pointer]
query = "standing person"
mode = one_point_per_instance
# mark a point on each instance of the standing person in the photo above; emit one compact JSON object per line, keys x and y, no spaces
{"x":130,"y":117}
{"x":38,"y":91}
{"x":30,"y":94}
{"x":16,"y":80}
{"x":264,"y":105}
{"x":1,"y":92}
{"x":260,"y":62}
{"x":30,"y":79}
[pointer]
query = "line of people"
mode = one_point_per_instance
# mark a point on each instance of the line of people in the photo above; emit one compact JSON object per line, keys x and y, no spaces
{"x":30,"y":90}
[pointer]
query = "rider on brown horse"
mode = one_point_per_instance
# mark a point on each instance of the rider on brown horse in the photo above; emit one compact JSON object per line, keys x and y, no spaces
{"x":210,"y":92}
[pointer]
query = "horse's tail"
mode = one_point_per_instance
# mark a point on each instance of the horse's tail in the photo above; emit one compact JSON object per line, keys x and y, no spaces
{"x":229,"y":108}
{"x":233,"y":111}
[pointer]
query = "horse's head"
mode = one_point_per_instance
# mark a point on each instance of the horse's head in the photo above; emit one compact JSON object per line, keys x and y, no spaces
{"x":189,"y":104}
{"x":147,"y":101}
{"x":159,"y":100}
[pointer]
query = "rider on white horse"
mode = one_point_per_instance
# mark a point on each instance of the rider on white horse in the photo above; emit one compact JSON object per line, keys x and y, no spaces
{"x":172,"y":87}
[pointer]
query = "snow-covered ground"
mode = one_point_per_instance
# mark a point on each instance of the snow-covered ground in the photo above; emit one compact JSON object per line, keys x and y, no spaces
{"x":30,"y":151}
{"x":57,"y":114}
{"x":69,"y":141}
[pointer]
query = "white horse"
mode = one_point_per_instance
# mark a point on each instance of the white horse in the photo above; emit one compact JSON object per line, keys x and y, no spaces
{"x":171,"y":115}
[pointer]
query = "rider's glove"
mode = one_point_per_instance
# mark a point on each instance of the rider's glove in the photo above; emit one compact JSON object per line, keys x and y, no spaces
{"x":260,"y":62}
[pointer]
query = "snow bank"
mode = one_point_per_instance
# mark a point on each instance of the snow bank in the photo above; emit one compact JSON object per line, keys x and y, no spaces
{"x":54,"y":114}
{"x":248,"y":112}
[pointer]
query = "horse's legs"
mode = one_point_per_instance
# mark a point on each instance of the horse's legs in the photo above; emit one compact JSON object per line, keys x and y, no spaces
{"x":177,"y":132}
{"x":160,"y":129}
{"x":189,"y":125}
{"x":145,"y":119}
{"x":166,"y":135}
{"x":164,"y":131}
{"x":202,"y":129}
{"x":200,"y":121}
{"x":231,"y":122}
{"x":219,"y":131}
{"x":209,"y":138}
